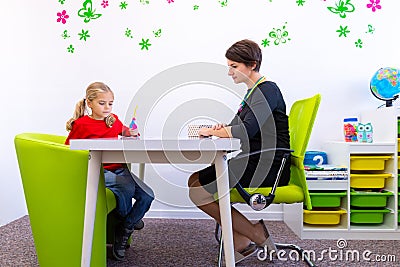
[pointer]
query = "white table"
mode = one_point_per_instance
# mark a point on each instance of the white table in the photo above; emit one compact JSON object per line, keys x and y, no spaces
{"x":186,"y":151}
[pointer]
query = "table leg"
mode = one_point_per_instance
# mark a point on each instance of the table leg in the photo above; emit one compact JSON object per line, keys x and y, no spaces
{"x":141,"y":171}
{"x":92,"y":185}
{"x":221,"y":168}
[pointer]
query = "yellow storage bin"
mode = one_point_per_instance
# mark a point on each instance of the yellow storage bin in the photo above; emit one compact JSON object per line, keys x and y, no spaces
{"x":368,"y":163}
{"x":323,"y":216}
{"x":367,"y":180}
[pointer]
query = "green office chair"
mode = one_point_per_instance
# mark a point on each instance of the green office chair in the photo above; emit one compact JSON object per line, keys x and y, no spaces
{"x":301,"y":120}
{"x":54,"y":182}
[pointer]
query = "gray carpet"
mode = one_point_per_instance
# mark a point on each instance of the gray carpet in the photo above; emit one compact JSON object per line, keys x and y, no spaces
{"x":172,"y":242}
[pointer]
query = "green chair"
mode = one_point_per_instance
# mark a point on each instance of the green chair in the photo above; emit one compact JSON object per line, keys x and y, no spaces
{"x":54,"y":182}
{"x":301,"y":120}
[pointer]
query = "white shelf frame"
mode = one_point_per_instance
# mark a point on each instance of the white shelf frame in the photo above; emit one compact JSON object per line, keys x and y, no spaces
{"x":385,"y":133}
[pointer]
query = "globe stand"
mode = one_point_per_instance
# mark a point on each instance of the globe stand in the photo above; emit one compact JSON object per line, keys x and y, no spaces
{"x":389,"y":102}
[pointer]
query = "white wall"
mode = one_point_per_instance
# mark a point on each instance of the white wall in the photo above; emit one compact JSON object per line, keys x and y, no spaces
{"x":41,"y":81}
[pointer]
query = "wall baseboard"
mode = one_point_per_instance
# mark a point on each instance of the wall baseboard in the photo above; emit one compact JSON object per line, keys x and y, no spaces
{"x":193,"y":214}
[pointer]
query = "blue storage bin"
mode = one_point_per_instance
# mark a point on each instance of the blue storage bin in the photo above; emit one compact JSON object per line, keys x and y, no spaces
{"x":315,"y":158}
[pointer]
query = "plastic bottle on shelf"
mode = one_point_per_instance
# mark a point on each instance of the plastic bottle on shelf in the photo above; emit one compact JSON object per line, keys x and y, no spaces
{"x":350,"y":129}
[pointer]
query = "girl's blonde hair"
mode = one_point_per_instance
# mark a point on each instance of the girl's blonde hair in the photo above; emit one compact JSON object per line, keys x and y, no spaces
{"x":91,"y":93}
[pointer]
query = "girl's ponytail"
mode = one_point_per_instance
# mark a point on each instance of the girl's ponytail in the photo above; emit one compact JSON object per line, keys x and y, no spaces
{"x":80,"y":109}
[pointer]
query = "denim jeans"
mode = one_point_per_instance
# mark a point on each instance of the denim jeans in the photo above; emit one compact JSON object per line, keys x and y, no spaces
{"x":125,"y":186}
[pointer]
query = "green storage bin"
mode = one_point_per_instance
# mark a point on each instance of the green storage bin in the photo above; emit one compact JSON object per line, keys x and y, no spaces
{"x":326,"y":198}
{"x":398,"y":127}
{"x":369,"y":199}
{"x":398,"y":179}
{"x":367,"y":216}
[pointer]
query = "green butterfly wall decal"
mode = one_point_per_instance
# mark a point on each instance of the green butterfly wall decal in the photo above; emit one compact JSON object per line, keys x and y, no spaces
{"x":87,"y":12}
{"x":342,"y":7}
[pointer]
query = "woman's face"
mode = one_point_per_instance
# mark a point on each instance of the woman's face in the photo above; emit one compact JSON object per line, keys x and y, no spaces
{"x":239,"y":71}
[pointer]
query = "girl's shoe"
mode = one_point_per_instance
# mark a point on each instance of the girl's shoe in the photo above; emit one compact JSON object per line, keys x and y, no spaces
{"x":268,"y":244}
{"x":122,"y":235}
{"x":139,"y":225}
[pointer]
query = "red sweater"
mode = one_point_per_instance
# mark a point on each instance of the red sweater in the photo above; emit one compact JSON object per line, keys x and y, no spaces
{"x":88,"y":128}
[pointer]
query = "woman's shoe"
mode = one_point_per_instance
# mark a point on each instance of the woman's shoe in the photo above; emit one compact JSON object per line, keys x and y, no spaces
{"x":245,"y":253}
{"x":268,"y":244}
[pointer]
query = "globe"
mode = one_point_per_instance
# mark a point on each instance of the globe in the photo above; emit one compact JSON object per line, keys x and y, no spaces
{"x":385,"y":84}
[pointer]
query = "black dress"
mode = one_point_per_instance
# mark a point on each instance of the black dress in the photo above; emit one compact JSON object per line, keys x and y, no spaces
{"x":261,"y":124}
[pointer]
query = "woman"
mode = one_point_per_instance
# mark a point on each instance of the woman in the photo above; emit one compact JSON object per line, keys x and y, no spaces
{"x":260,"y":123}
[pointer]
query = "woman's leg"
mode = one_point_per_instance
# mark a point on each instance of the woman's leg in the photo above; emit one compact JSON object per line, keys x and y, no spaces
{"x":244,"y":231}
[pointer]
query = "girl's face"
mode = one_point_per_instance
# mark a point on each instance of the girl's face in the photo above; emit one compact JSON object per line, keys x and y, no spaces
{"x":239,"y":71}
{"x":101,"y":106}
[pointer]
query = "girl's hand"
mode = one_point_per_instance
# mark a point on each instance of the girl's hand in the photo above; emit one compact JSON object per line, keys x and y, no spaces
{"x":134,"y":132}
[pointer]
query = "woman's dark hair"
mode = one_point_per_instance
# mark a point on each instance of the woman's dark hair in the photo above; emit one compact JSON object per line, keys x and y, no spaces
{"x":246,"y":52}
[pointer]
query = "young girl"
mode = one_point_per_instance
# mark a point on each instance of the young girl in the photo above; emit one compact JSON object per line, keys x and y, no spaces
{"x":101,"y":123}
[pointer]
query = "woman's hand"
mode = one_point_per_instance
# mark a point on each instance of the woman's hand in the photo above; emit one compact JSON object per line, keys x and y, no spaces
{"x":215,"y":130}
{"x":219,"y":126}
{"x":205,"y":132}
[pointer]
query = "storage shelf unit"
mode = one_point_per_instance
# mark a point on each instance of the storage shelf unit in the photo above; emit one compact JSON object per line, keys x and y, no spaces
{"x":332,"y":185}
{"x":385,"y":143}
